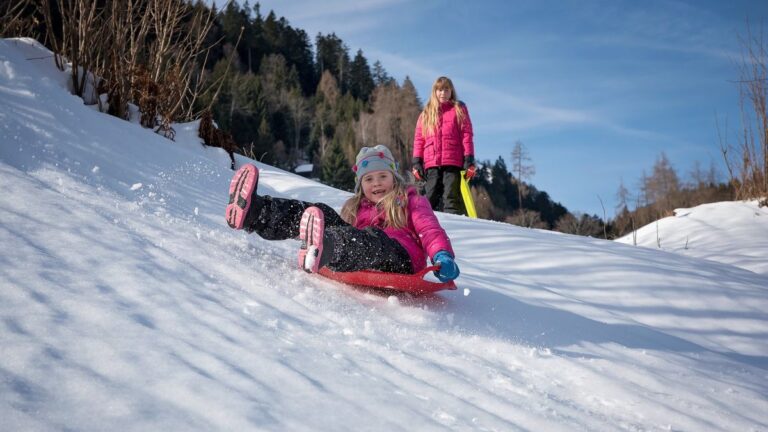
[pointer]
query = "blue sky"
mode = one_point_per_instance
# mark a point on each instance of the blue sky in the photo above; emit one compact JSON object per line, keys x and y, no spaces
{"x":595,"y":90}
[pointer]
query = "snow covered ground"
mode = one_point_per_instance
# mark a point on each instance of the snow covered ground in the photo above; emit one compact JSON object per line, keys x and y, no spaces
{"x":734,"y":233}
{"x":126,"y":303}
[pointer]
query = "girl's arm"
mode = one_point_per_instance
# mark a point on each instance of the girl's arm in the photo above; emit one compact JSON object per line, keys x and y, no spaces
{"x":432,"y":235}
{"x":418,"y":140}
{"x":467,"y":135}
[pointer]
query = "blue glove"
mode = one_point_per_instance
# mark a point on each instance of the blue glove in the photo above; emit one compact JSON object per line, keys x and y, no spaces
{"x":448,"y":268}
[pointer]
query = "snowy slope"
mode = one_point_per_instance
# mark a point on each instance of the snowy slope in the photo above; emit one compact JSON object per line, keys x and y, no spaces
{"x":734,"y":233}
{"x":127,"y":303}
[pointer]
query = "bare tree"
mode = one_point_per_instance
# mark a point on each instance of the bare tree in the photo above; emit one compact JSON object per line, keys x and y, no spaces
{"x":179,"y":31}
{"x":299,"y":109}
{"x":123,"y":43}
{"x":410,"y":108}
{"x":393,"y":120}
{"x":624,"y":219}
{"x":522,"y":171}
{"x":663,"y":184}
{"x":605,"y":218}
{"x":747,"y":159}
{"x":328,"y":96}
{"x":145,"y":51}
{"x":364,"y":130}
{"x":622,"y":196}
{"x":698,"y":175}
{"x":75,"y":42}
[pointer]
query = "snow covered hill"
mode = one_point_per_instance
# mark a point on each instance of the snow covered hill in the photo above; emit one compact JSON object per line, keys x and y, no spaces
{"x":126,"y":303}
{"x":734,"y":233}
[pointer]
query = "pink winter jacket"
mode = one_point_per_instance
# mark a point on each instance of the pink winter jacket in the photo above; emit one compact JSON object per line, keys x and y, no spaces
{"x":449,"y":143}
{"x":422,"y":238}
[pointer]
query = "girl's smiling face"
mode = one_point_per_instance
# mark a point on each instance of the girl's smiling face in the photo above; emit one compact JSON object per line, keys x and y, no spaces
{"x":443,"y":94}
{"x":376,"y":184}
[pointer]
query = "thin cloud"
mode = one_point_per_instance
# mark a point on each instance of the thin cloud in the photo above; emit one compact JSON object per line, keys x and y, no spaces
{"x":337,"y":16}
{"x":527,"y":113}
{"x":343,"y":18}
{"x":337,"y":8}
{"x":677,"y":46}
{"x":676,"y":27}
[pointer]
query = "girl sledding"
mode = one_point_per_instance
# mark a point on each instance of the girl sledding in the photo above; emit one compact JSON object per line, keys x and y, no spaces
{"x":385,"y":226}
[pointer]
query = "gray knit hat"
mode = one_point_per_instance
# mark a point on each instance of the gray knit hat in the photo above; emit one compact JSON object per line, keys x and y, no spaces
{"x":377,"y":158}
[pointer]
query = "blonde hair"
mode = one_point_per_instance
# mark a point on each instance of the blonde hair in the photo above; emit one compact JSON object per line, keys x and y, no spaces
{"x":431,"y":111}
{"x":392,"y":205}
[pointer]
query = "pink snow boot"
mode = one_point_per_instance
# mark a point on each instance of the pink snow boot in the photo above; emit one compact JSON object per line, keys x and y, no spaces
{"x":241,"y":189}
{"x":311,"y":230}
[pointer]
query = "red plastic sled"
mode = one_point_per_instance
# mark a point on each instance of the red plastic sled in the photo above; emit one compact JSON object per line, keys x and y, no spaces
{"x":411,"y":283}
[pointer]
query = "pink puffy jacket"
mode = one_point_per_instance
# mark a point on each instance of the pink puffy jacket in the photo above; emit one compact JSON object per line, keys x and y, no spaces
{"x":421,"y":238}
{"x":449,"y":143}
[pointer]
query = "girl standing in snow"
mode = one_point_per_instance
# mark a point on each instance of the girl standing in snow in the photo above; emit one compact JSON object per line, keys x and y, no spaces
{"x":385,"y":226}
{"x":443,"y":146}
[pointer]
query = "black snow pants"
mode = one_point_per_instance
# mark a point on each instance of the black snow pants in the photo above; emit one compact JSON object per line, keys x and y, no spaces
{"x":443,"y":189}
{"x":352,"y":249}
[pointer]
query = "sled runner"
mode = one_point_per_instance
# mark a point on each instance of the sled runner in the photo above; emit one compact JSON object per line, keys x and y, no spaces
{"x":411,"y":283}
{"x":466,"y":195}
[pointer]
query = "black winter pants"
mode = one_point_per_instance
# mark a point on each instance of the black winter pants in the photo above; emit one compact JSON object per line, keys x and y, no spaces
{"x":443,"y":189}
{"x":352,"y":249}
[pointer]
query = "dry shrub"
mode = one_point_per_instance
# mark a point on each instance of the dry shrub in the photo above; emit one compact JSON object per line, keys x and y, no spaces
{"x":15,"y":19}
{"x":145,"y":51}
{"x":145,"y":95}
{"x":214,"y":137}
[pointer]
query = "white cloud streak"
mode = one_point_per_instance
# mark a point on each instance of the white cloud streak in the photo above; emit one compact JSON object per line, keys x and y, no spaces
{"x":518,"y":113}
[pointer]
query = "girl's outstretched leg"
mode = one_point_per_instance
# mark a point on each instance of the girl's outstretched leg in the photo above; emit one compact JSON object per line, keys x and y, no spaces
{"x":241,"y":189}
{"x":279,"y":218}
{"x":345,"y":248}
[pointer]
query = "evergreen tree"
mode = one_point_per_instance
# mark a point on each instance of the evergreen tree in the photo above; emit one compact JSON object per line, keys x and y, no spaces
{"x":294,"y":45}
{"x":380,"y":76}
{"x":503,"y":191}
{"x":548,"y":210}
{"x":336,"y":170}
{"x":299,"y":54}
{"x":272,"y":33}
{"x":234,"y":20}
{"x":360,"y":79}
{"x":253,"y":45}
{"x":333,"y":56}
{"x":277,"y":79}
{"x":482,"y":176}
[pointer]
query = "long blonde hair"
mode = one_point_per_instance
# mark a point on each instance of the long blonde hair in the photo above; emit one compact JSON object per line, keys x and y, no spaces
{"x":431,"y":111}
{"x":392,"y":205}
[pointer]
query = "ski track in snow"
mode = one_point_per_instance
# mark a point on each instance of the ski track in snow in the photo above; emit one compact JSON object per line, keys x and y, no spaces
{"x":136,"y":308}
